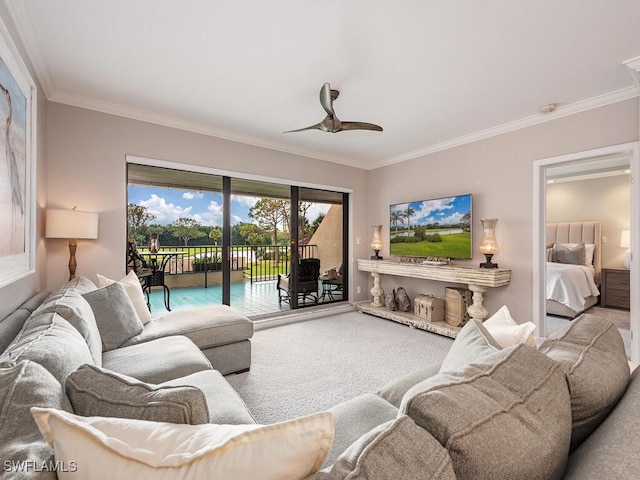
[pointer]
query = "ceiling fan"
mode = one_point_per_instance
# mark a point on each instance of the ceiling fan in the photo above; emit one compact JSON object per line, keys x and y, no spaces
{"x":331,"y":122}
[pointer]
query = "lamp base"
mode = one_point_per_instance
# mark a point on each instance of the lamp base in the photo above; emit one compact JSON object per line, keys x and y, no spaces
{"x":488,"y":263}
{"x":376,"y":256}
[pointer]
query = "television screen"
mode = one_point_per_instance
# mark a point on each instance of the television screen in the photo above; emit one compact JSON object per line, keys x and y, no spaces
{"x":440,"y":227}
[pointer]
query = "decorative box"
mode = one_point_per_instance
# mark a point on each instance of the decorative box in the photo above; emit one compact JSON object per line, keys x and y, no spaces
{"x":456,"y":302}
{"x":429,"y":308}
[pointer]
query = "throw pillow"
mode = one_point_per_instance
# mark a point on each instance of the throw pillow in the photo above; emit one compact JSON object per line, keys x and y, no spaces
{"x":131,"y":284}
{"x":507,"y":415}
{"x":80,"y":284}
{"x":472,"y":342}
{"x":504,"y":329}
{"x":71,"y":306}
{"x":50,"y":341}
{"x":396,"y":449}
{"x":141,"y":449}
{"x":96,"y":392}
{"x":592,"y":350}
{"x":570,"y":253}
{"x":115,"y":316}
{"x":21,"y":386}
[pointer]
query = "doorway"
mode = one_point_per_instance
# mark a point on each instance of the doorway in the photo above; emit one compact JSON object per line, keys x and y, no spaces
{"x":584,"y":164}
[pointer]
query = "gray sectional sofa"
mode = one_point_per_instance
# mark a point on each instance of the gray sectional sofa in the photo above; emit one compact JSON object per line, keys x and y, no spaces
{"x":568,"y":409}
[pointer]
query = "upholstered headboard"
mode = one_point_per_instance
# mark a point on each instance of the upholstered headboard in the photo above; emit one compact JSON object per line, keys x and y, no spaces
{"x":578,"y":232}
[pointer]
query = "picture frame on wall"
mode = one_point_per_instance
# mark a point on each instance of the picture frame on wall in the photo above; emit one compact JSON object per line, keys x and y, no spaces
{"x":18,"y":108}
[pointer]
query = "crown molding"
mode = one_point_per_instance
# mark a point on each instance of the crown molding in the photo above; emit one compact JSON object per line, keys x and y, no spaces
{"x":202,"y":129}
{"x":562,"y":111}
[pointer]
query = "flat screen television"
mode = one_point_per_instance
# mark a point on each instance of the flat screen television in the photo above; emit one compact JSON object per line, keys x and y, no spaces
{"x":440,"y":227}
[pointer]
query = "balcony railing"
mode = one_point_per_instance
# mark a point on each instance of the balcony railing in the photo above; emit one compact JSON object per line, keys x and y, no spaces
{"x":258,"y":262}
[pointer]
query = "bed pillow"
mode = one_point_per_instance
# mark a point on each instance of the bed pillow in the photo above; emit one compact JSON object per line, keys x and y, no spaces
{"x":131,"y":284}
{"x":507,"y":332}
{"x":115,"y":316}
{"x":589,"y":252}
{"x":143,"y":450}
{"x":97,"y":392}
{"x":570,"y":253}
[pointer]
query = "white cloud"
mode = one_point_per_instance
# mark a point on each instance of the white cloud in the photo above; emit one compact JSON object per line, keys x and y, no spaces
{"x":165,"y":213}
{"x":192,"y":195}
{"x":245,"y":200}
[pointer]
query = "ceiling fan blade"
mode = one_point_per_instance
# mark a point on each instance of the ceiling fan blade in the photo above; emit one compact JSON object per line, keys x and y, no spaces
{"x":325,"y":99}
{"x":317,"y":126}
{"x":360,"y":126}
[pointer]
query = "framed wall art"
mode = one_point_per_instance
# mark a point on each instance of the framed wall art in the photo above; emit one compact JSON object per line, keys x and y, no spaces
{"x":18,"y":107}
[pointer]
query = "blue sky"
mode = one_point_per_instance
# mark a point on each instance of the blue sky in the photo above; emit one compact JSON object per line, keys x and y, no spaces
{"x":168,"y":204}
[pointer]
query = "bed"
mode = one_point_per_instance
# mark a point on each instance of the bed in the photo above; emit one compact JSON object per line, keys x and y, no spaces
{"x":572,"y":288}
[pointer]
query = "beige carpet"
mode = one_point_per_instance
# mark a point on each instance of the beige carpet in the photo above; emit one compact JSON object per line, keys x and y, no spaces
{"x":305,"y":367}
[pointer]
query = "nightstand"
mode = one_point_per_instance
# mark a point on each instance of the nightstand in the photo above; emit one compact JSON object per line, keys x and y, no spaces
{"x":615,"y":291}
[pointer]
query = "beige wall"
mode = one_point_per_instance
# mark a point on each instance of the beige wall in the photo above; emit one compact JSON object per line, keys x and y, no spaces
{"x":607,"y":200}
{"x":86,"y":159}
{"x":498,"y":172}
{"x":16,"y":293}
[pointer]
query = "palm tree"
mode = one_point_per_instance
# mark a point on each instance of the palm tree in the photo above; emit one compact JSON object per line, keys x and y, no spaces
{"x":397,"y":217}
{"x":408,"y":212}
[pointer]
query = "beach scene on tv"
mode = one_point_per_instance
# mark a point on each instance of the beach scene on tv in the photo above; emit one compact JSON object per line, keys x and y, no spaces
{"x":438,"y":227}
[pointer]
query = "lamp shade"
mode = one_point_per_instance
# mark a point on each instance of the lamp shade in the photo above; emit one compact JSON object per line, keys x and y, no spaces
{"x":376,"y":242}
{"x":71,"y":224}
{"x":625,"y":239}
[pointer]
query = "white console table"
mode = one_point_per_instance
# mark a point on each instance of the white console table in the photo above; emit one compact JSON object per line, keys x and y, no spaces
{"x":477,"y":279}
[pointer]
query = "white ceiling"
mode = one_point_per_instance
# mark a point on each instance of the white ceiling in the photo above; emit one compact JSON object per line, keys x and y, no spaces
{"x":432,"y":73}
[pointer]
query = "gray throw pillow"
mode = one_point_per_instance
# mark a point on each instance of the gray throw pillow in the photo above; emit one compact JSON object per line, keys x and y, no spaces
{"x":473,"y":342}
{"x":96,"y":392}
{"x":115,"y":316}
{"x":395,"y":450}
{"x":573,"y":254}
{"x":23,"y":386}
{"x":592,"y":350}
{"x":506,"y":415}
{"x":71,"y":306}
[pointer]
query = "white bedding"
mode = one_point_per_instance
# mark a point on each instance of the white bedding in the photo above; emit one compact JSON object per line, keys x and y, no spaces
{"x":570,"y":284}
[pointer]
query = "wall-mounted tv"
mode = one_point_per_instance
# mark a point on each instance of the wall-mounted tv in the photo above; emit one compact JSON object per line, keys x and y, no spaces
{"x":440,"y":227}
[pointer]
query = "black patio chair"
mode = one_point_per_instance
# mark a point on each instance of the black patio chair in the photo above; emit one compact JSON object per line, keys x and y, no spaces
{"x":308,"y":277}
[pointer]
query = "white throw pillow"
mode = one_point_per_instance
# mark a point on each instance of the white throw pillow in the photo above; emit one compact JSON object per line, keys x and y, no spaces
{"x":504,"y":329}
{"x":107,"y":448}
{"x":132,"y":286}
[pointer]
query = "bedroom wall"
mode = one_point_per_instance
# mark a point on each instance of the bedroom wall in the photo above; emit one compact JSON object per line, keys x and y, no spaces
{"x":87,"y":150}
{"x":575,"y":201}
{"x":13,"y":295}
{"x":498,"y":172}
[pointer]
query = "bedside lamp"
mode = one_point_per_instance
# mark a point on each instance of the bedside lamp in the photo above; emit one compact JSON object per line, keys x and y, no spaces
{"x":488,"y":242}
{"x":71,"y":224}
{"x":625,"y":242}
{"x":376,"y":242}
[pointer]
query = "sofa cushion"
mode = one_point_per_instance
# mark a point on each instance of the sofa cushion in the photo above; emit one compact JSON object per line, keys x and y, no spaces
{"x":80,"y":285}
{"x":71,"y":306}
{"x":397,"y":449}
{"x":472,"y":342}
{"x":12,"y":323}
{"x":356,"y":417}
{"x":394,"y":391}
{"x":158,"y":360}
{"x":132,"y":286}
{"x":96,"y":392}
{"x":592,"y":350}
{"x":205,"y":326}
{"x":115,"y":316}
{"x":51,"y":341}
{"x":149,"y":450}
{"x":507,"y":332}
{"x":224,"y":404}
{"x":22,"y":386}
{"x":611,"y":451}
{"x":507,"y":415}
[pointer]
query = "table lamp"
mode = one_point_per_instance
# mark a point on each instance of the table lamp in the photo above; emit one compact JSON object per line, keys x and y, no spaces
{"x":488,"y":242}
{"x":376,"y":242}
{"x":71,"y":224}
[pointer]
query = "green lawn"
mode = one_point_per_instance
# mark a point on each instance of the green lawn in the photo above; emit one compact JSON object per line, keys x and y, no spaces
{"x":455,"y":245}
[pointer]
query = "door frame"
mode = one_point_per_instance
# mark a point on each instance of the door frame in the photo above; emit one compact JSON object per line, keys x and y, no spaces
{"x":539,"y":231}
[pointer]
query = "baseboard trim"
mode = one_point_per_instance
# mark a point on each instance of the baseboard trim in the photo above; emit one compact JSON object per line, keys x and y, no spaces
{"x":277,"y":320}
